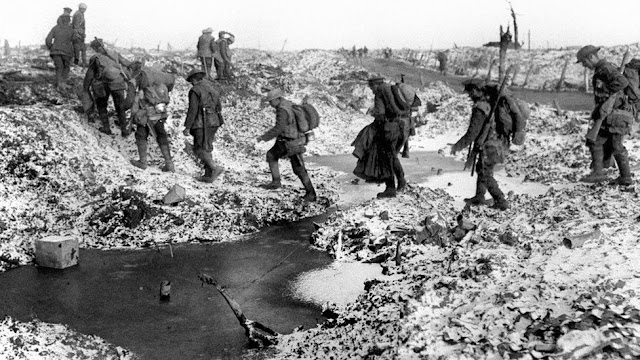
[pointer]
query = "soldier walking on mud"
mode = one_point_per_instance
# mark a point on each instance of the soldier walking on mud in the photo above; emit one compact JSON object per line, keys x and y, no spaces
{"x":489,"y":150}
{"x":149,"y":113}
{"x":289,"y":143}
{"x":204,"y":117}
{"x":106,"y":76}
{"x":79,"y":35}
{"x":612,"y":116}
{"x":389,"y":136}
{"x":59,"y":41}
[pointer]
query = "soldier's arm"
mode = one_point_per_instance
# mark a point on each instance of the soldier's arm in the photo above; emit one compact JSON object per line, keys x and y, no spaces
{"x":90,"y":75}
{"x":282,"y":119}
{"x":378,"y":109}
{"x":194,"y":107}
{"x":615,"y":80}
{"x":478,"y":117}
{"x":49,"y":40}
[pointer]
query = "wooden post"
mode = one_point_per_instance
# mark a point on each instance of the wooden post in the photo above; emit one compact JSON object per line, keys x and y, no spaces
{"x":560,"y":83}
{"x":285,"y":43}
{"x":529,"y":40}
{"x":505,"y":39}
{"x":586,"y":80}
{"x":516,"y":71}
{"x":491,"y":63}
{"x":7,"y":48}
{"x":526,"y":78}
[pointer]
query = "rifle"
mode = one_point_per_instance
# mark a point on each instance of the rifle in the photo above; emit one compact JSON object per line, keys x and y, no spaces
{"x":473,"y":155}
{"x":607,"y":107}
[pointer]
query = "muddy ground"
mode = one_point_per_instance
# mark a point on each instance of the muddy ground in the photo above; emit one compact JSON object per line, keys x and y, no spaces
{"x":470,"y":283}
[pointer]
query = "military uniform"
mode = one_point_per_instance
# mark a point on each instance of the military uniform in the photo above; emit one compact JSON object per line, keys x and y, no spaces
{"x":389,"y":136}
{"x":289,"y":143}
{"x":490,"y":152}
{"x":609,"y":82}
{"x":222,"y":57}
{"x":106,"y":77}
{"x":79,"y":36}
{"x":59,"y":41}
{"x":204,"y":117}
{"x":150,"y":114}
{"x":206,"y":48}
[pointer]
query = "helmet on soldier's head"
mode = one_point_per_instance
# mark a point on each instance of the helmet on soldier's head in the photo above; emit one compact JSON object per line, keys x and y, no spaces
{"x":473,"y":83}
{"x":375,"y":80}
{"x":586,"y":51}
{"x":194,"y":72}
{"x":207,"y":30}
{"x":67,"y":10}
{"x":274,"y":94}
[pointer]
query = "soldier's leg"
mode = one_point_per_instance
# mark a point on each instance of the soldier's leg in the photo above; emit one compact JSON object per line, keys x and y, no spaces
{"x":597,"y":157}
{"x":202,"y":154}
{"x":273,"y":155}
{"x":58,"y":62}
{"x":163,"y":141}
{"x":76,"y":52}
{"x":398,"y":171}
{"x":66,"y":68}
{"x":607,"y":159}
{"x":481,"y":188}
{"x":622,"y":159}
{"x":101,"y":106}
{"x":405,"y":149}
{"x":83,"y":51}
{"x":121,"y":111}
{"x":387,"y":157}
{"x":219,"y":68}
{"x":297,"y":163}
{"x":499,"y":201}
{"x":142,"y":134}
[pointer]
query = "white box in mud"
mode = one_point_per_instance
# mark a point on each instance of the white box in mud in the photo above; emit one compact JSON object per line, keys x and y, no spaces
{"x":58,"y":252}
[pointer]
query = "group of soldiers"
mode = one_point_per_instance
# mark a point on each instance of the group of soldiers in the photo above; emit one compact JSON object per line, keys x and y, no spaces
{"x":216,"y":52}
{"x":66,"y":41}
{"x":489,"y":137}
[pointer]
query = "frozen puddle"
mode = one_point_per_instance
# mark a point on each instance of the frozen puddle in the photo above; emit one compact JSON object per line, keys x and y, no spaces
{"x":339,"y":283}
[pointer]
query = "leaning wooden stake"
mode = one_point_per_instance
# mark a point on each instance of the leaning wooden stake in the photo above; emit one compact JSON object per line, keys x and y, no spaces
{"x":560,"y":83}
{"x":258,"y":334}
{"x":586,"y":80}
{"x":529,"y":72}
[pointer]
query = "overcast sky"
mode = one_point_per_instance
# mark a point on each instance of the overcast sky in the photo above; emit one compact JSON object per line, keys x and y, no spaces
{"x":331,"y":24}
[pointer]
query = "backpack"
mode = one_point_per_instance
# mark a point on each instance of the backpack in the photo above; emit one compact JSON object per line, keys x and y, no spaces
{"x":632,"y":91}
{"x":157,"y":94}
{"x":404,"y":95}
{"x":307,"y":117}
{"x":511,"y":118}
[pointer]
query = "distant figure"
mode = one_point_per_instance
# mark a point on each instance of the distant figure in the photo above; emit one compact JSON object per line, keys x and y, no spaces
{"x":107,"y":76}
{"x":443,"y":60}
{"x":223,"y":60}
{"x":365,"y":51}
{"x":59,"y":41}
{"x":289,"y":144}
{"x":150,"y":113}
{"x":612,"y":112}
{"x":65,"y":12}
{"x":79,"y":35}
{"x":204,"y":117}
{"x":206,"y":48}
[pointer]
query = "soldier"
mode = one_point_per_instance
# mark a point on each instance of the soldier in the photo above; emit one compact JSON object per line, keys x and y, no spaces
{"x":79,"y":35}
{"x":612,"y":111}
{"x":389,"y":136}
{"x":223,"y":58}
{"x":150,"y":113}
{"x":106,"y":76}
{"x":206,"y":48}
{"x":204,"y":117}
{"x":65,"y":12}
{"x":60,"y":44}
{"x":289,"y":143}
{"x":487,"y":157}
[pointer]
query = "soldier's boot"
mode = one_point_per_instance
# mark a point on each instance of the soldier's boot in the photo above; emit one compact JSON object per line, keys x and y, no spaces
{"x":596,"y":176}
{"x":607,"y":163}
{"x":625,"y":171}
{"x":398,"y":171}
{"x":390,"y":190}
{"x":499,"y":200}
{"x":211,"y":171}
{"x":168,"y":161}
{"x":402,"y":186}
{"x":125,"y":129}
{"x":105,"y":128}
{"x":479,"y":198}
{"x":142,"y":152}
{"x":275,"y":177}
{"x":310,"y":194}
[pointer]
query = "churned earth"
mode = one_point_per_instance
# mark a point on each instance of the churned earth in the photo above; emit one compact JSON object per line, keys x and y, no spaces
{"x":556,"y":275}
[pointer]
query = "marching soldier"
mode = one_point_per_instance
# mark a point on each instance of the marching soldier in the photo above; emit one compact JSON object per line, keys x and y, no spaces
{"x":204,"y":117}
{"x":612,"y":116}
{"x":289,"y":143}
